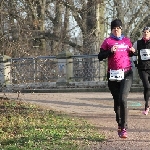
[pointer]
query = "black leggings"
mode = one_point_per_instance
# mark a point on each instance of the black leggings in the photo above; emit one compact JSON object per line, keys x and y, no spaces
{"x":145,"y":77}
{"x":120,"y":91}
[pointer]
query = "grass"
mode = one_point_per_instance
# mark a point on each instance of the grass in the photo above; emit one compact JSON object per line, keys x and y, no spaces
{"x":24,"y":126}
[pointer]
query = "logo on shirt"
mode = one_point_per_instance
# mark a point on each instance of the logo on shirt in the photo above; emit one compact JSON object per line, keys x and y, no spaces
{"x":121,"y":47}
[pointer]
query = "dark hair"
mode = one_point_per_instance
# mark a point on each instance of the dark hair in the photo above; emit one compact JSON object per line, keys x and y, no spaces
{"x":146,"y":28}
{"x":116,"y":23}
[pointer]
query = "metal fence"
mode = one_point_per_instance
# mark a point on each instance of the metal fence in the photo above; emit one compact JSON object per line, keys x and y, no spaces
{"x":46,"y":72}
{"x":39,"y":69}
{"x":88,"y":68}
{"x":51,"y":69}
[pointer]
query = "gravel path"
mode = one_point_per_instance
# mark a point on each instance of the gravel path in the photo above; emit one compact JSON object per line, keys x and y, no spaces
{"x":97,"y":109}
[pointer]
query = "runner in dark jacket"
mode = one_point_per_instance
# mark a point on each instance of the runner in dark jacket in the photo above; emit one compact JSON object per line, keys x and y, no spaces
{"x":142,"y":62}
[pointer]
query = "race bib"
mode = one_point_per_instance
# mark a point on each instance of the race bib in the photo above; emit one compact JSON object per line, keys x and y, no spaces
{"x":145,"y":54}
{"x":116,"y":75}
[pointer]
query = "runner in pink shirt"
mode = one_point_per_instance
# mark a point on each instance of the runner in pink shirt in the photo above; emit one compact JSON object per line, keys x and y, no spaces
{"x":118,"y":49}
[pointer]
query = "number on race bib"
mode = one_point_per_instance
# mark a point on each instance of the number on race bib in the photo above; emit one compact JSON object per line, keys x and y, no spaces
{"x":116,"y":75}
{"x":145,"y":54}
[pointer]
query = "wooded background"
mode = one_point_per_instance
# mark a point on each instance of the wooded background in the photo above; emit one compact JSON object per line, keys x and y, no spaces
{"x":30,"y":28}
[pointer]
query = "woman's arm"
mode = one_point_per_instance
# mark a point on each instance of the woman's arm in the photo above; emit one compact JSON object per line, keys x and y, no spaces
{"x":103,"y":54}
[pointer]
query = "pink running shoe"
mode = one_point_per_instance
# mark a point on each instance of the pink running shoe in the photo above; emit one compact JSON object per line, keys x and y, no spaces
{"x":145,"y":112}
{"x":123,"y":133}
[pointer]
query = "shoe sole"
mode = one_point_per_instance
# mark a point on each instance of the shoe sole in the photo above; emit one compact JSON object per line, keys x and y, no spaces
{"x":123,"y":137}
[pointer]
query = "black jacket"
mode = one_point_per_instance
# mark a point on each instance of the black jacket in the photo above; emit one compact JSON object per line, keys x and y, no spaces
{"x":103,"y":54}
{"x":142,"y":64}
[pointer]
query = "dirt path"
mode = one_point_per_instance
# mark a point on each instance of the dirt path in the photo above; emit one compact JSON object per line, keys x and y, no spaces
{"x":97,"y":108}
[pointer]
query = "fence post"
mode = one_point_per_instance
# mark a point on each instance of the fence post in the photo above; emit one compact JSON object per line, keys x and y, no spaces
{"x":65,"y":67}
{"x":5,"y":68}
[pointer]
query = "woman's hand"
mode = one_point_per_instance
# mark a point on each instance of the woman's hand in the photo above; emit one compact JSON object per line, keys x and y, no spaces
{"x":114,"y":48}
{"x":132,"y":49}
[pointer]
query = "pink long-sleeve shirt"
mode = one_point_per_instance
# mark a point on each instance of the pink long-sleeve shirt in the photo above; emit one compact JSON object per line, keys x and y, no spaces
{"x":119,"y":59}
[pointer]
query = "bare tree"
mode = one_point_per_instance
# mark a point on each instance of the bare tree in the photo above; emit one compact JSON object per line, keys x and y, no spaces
{"x":47,"y":27}
{"x":132,"y":13}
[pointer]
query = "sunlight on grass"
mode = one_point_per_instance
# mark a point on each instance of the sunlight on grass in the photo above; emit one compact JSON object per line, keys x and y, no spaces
{"x":25,"y":126}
